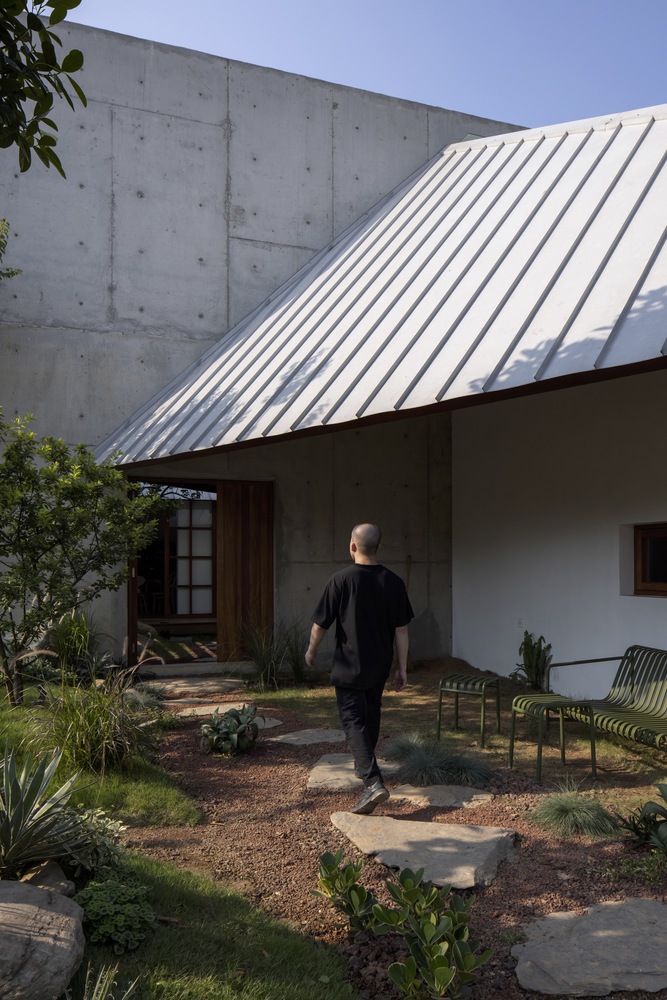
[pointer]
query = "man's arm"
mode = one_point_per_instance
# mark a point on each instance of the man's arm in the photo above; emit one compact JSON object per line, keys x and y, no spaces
{"x":317,"y":634}
{"x":402,"y":644}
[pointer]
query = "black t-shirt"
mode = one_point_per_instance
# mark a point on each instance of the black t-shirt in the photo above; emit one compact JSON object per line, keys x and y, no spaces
{"x":367,"y":603}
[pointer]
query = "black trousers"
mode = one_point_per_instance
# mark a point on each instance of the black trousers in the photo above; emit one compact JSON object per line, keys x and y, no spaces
{"x":360,"y":718}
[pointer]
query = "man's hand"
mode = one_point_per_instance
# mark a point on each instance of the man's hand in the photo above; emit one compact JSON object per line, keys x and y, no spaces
{"x":317,"y":634}
{"x":400,"y":678}
{"x":402,"y":642}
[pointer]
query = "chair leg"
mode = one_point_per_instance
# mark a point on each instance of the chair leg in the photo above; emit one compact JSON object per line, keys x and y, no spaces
{"x":456,"y":710}
{"x":497,"y":707}
{"x":540,"y":738}
{"x":437,"y":732}
{"x":592,"y":734}
{"x":483,"y":720}
{"x":561,"y":731}
{"x":512,"y":727}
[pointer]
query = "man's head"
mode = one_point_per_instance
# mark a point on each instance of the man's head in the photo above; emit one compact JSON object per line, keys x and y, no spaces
{"x":364,"y":542}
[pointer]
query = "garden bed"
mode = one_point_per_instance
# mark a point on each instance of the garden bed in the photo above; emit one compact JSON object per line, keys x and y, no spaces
{"x":264,"y":831}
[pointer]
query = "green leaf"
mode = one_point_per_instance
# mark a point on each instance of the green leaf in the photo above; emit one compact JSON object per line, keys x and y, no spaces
{"x":73,"y":61}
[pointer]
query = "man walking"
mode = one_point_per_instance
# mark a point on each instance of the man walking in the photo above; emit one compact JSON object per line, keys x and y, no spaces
{"x":370,"y":607}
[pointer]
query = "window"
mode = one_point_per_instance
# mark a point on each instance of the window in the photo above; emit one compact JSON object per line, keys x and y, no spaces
{"x":651,"y":559}
{"x":176,"y":575}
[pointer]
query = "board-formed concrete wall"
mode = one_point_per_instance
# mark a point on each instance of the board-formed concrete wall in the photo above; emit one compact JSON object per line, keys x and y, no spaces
{"x":195,"y":186}
{"x":395,"y":474}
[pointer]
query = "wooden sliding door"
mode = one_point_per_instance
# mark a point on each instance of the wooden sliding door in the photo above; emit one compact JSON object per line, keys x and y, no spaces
{"x":244,"y":568}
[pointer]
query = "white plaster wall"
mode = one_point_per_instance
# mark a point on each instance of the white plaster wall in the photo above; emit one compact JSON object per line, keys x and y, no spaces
{"x":195,"y":186}
{"x":542,"y":490}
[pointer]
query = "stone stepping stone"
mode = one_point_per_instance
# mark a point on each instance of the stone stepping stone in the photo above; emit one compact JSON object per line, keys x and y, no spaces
{"x":461,"y":856}
{"x":304,"y":737}
{"x":444,"y":796}
{"x":336,"y":771}
{"x":618,"y":945}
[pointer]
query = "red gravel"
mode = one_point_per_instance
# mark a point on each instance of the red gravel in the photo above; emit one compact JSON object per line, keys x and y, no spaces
{"x":264,"y":833}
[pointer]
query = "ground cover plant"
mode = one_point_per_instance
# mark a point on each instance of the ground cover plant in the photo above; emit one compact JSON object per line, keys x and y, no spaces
{"x":433,"y":922}
{"x":431,"y":762}
{"x":211,"y":944}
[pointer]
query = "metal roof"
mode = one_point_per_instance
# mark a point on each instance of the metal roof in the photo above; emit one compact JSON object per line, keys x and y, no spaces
{"x":503,"y":262}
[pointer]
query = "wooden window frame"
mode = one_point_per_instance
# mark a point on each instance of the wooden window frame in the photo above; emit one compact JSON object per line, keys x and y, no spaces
{"x":643,"y":533}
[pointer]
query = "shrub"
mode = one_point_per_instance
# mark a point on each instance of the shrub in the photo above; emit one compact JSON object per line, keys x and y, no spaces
{"x":116,"y":912}
{"x":35,"y":826}
{"x":101,"y":848}
{"x":569,"y":812}
{"x":75,"y":640}
{"x":266,"y":652}
{"x":432,"y":921}
{"x":230,"y":733}
{"x":401,"y":746}
{"x":294,"y":641}
{"x":96,"y":727}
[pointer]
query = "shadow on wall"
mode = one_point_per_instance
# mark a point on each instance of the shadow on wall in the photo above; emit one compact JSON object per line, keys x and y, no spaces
{"x":426,"y":637}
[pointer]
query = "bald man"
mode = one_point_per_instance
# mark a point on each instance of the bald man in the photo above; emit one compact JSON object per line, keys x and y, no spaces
{"x":370,"y":607}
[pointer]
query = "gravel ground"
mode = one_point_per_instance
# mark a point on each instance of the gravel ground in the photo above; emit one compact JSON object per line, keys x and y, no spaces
{"x":264,"y":833}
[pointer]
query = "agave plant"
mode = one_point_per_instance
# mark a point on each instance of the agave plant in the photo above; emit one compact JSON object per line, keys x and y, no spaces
{"x":231,"y":732}
{"x":658,"y":837}
{"x":35,"y":826}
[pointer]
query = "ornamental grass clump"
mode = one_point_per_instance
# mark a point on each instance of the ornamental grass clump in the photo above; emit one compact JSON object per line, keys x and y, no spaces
{"x":570,"y":812}
{"x":430,"y":762}
{"x":96,"y":728}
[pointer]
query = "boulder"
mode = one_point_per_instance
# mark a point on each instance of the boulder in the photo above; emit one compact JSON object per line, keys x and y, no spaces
{"x":41,"y":942}
{"x":49,"y":875}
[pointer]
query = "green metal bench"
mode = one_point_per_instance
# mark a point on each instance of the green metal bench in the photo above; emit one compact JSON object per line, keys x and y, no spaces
{"x":636,"y":706}
{"x":474,"y":684}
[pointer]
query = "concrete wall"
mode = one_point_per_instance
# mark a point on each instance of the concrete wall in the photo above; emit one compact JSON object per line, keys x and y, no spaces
{"x":545,"y":493}
{"x":195,"y":186}
{"x":397,"y":475}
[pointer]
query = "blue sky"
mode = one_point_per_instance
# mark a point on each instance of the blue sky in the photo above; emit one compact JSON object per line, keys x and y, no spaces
{"x":530,"y":63}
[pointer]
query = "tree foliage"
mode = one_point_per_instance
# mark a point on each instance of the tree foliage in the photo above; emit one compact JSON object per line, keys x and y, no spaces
{"x":31,"y":73}
{"x":68,"y":526}
{"x":6,"y":272}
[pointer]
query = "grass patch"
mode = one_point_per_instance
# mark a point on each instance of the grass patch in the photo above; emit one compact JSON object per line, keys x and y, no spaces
{"x":139,"y":795}
{"x":222,"y":948}
{"x":569,"y":812}
{"x":647,"y":867}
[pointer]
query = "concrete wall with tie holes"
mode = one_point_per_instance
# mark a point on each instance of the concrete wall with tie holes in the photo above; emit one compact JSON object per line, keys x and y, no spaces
{"x":195,"y":186}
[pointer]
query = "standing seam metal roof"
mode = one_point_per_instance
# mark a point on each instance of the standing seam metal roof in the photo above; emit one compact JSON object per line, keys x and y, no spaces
{"x":503,"y":262}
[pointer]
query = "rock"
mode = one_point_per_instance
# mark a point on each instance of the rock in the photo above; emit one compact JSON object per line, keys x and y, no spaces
{"x":49,"y":875}
{"x":445,"y":796}
{"x":450,"y":854}
{"x":41,"y":942}
{"x":619,"y":945}
{"x":304,"y":737}
{"x":336,"y":771}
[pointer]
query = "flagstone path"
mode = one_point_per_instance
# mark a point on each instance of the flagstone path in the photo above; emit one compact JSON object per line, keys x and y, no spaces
{"x":613,"y":946}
